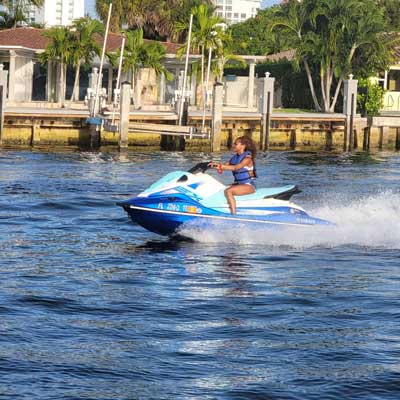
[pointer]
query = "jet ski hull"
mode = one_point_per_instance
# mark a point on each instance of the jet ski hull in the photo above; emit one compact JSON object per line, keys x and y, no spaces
{"x":169,"y":218}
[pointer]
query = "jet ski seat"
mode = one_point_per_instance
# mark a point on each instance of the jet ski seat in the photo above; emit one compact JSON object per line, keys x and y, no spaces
{"x":281,"y":193}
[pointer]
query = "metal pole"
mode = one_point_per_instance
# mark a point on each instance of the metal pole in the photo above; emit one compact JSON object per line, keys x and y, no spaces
{"x":351,"y":132}
{"x":186,"y":68}
{"x":267,"y":122}
{"x":205,"y":99}
{"x":120,"y":62}
{"x":96,"y":100}
{"x":117,"y":86}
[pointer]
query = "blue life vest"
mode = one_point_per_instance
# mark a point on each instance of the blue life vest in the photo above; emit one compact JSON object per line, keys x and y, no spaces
{"x":242,"y":175}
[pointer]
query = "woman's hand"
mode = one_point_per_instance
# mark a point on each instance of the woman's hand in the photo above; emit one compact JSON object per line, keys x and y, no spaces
{"x":217,"y":166}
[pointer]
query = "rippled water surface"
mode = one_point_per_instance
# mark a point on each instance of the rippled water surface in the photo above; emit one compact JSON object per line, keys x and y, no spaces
{"x":94,"y":307}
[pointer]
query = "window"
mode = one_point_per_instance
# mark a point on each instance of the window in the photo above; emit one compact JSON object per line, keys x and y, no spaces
{"x":394,"y":80}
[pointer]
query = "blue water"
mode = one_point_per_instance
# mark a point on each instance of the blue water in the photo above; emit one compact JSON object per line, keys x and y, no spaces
{"x":94,"y":307}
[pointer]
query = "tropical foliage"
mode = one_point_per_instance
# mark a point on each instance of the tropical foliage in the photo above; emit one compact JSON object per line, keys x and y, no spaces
{"x":207,"y":33}
{"x":139,"y":54}
{"x":255,"y":37}
{"x":85,"y":46}
{"x":156,"y":18}
{"x":392,"y":13}
{"x":60,"y":50}
{"x":328,"y":36}
{"x":370,"y":97}
{"x":75,"y":46}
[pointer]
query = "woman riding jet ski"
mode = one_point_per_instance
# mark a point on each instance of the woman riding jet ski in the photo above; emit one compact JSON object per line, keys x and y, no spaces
{"x":243,"y":168}
{"x":194,"y":198}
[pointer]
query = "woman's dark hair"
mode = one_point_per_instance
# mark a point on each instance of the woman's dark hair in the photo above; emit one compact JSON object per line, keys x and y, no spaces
{"x":249,"y":145}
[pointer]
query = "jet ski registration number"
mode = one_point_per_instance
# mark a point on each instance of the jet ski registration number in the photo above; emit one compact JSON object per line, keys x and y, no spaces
{"x":180,"y":208}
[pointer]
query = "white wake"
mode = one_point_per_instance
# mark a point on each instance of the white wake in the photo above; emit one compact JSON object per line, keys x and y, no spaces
{"x":372,"y":221}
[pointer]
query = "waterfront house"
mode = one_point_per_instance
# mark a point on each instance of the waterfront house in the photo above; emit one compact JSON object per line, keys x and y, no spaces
{"x":31,"y":82}
{"x":390,"y":81}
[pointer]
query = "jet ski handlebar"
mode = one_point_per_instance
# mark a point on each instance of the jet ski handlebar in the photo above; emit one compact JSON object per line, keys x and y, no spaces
{"x":200,"y":167}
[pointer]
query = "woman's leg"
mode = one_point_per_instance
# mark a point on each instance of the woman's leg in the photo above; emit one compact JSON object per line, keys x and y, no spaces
{"x":237,"y":190}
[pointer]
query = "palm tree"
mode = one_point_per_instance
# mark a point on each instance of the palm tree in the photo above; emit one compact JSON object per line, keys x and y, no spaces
{"x":60,"y":49}
{"x":292,"y":19}
{"x":138,"y":54}
{"x":117,"y":15}
{"x":85,"y":46}
{"x":224,"y":54}
{"x":7,"y":21}
{"x":327,"y":34}
{"x":156,"y":18}
{"x":206,"y":33}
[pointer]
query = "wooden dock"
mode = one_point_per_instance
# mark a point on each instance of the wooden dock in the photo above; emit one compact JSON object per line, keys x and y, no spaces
{"x":39,"y":126}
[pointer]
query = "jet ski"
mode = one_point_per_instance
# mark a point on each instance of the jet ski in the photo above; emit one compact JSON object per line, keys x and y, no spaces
{"x":196,"y":199}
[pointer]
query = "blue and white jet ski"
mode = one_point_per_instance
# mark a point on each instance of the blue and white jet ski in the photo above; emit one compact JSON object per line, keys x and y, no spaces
{"x":196,"y":199}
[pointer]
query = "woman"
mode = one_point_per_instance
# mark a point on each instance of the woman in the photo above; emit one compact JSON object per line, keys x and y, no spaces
{"x":243,"y":168}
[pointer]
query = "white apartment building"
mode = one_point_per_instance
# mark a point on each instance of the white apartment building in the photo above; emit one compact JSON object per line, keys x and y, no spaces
{"x":56,"y":12}
{"x":234,"y":11}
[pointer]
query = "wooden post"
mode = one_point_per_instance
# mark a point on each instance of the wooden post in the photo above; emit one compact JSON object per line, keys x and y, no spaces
{"x":35,"y":135}
{"x":266,"y":105}
{"x":381,"y":134}
{"x":397,"y":145}
{"x":125,"y":102}
{"x":292,"y":143}
{"x":349,"y":109}
{"x":1,"y":114}
{"x":355,"y":138}
{"x":351,"y":127}
{"x":3,"y":91}
{"x":250,"y":88}
{"x":216,"y":117}
{"x":328,"y":138}
{"x":367,"y":134}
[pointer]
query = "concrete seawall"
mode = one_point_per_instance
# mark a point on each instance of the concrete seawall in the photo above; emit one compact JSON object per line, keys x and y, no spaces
{"x":288,"y":131}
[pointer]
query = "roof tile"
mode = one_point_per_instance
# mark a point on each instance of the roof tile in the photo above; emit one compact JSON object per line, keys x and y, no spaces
{"x":32,"y":38}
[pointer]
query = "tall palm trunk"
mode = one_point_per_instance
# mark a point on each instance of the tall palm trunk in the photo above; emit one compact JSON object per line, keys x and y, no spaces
{"x":61,"y":87}
{"x":311,"y":85}
{"x":76,"y":82}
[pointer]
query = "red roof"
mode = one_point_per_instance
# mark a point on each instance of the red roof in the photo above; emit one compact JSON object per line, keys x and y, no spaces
{"x":32,"y":38}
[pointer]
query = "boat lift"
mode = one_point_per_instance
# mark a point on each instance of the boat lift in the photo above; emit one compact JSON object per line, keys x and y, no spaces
{"x":189,"y":132}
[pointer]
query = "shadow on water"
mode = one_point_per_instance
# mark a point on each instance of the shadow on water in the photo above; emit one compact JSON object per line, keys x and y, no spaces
{"x":167,"y":245}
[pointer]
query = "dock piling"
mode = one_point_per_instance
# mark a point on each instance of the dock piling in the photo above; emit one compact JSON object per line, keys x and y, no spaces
{"x":1,"y":114}
{"x":125,"y":102}
{"x":3,"y":91}
{"x":349,"y":109}
{"x":216,"y":117}
{"x":266,"y":106}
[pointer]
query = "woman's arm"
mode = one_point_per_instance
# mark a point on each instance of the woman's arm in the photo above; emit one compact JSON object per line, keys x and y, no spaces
{"x":246,"y":162}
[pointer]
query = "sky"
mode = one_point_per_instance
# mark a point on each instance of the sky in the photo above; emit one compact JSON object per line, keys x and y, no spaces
{"x":269,"y":3}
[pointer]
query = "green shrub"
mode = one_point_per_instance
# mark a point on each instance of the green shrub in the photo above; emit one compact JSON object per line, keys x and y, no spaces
{"x":370,"y":97}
